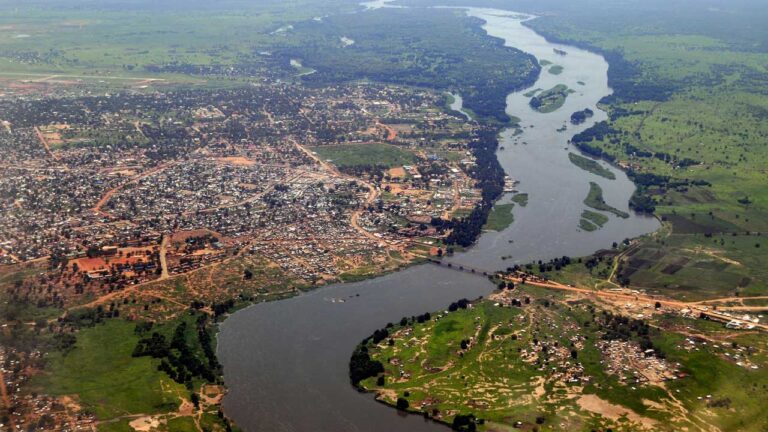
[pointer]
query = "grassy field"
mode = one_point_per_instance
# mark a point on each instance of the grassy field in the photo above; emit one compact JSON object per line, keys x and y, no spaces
{"x":125,"y":37}
{"x":590,"y":165}
{"x":508,"y":365}
{"x":595,"y":200}
{"x":732,"y":265}
{"x":500,"y":218}
{"x":106,"y":379}
{"x":379,"y":154}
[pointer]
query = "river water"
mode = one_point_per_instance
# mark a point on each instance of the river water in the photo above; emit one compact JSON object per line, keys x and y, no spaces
{"x":285,"y":363}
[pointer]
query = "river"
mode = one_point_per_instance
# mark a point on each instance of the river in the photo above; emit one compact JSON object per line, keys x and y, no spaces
{"x":285,"y":363}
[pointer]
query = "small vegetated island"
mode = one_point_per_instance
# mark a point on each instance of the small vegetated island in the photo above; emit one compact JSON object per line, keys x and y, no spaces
{"x":550,"y":100}
{"x":556,"y":70}
{"x":591,"y":221}
{"x":596,"y":201}
{"x":532,"y":359}
{"x":592,"y":166}
{"x":580,"y":117}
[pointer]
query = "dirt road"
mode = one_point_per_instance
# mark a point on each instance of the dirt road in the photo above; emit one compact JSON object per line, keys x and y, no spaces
{"x":106,"y":197}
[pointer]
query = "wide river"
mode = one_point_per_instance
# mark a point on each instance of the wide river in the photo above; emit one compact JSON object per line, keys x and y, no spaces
{"x":285,"y":363}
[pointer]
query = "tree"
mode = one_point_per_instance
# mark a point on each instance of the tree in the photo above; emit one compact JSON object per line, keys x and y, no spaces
{"x":402,"y":404}
{"x":464,"y":423}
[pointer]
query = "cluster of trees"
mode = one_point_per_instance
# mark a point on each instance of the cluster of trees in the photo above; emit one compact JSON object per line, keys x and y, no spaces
{"x":361,"y":366}
{"x":598,"y":132}
{"x":555,"y":264}
{"x":580,"y":117}
{"x":185,"y":357}
{"x":465,"y":423}
{"x":617,"y":327}
{"x":461,"y":304}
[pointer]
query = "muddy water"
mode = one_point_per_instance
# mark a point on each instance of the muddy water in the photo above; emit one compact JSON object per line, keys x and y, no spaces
{"x":285,"y":363}
{"x":538,"y":158}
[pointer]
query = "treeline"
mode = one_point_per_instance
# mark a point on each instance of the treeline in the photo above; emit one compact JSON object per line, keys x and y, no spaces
{"x":361,"y":366}
{"x":642,"y":201}
{"x":490,"y":176}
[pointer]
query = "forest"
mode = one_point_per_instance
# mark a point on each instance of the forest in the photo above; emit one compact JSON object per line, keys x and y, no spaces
{"x":439,"y":49}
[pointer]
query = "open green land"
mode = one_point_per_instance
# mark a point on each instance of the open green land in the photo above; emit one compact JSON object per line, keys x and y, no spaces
{"x":106,"y":379}
{"x":134,"y":38}
{"x":590,"y":165}
{"x":595,"y":200}
{"x":121,"y":368}
{"x":732,"y":265}
{"x":555,"y":70}
{"x":500,"y":217}
{"x":374,"y":154}
{"x":550,"y":100}
{"x":590,"y":221}
{"x":558,"y":364}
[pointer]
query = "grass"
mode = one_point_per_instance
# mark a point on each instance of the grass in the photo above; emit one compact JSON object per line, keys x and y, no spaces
{"x":119,"y":426}
{"x":598,"y":219}
{"x":182,"y":424}
{"x":591,"y":166}
{"x":106,"y":379}
{"x":676,"y":265}
{"x":379,"y":154}
{"x":595,"y":200}
{"x":550,"y":100}
{"x":586,"y":225}
{"x":492,"y":381}
{"x":521,"y":199}
{"x":500,"y":218}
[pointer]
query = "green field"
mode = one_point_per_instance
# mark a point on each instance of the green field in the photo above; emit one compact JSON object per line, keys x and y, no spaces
{"x":375,"y":154}
{"x":511,"y":365}
{"x":590,"y":165}
{"x":106,"y":379}
{"x":732,"y":265}
{"x":550,"y":100}
{"x":595,"y":200}
{"x":500,"y":218}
